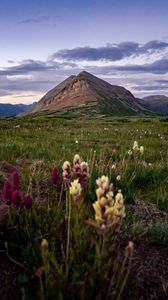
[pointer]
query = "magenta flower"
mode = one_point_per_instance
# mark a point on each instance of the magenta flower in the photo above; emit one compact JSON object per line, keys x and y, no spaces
{"x":7,"y":192}
{"x":28,"y":201}
{"x":54,"y":175}
{"x":16,"y":198}
{"x":16,"y":181}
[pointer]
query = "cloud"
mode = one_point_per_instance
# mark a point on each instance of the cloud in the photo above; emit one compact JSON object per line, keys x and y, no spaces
{"x":110,"y":52}
{"x":30,"y":66}
{"x":39,"y":19}
{"x":157,"y":67}
{"x":150,"y":88}
{"x":162,"y":81}
{"x":155,"y":45}
{"x":3,"y":92}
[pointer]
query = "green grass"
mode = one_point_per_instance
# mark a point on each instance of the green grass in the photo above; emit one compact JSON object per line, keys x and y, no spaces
{"x":103,"y":142}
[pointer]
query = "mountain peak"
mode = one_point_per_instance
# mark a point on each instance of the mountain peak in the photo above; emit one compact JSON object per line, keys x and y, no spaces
{"x":84,"y":73}
{"x":88,"y":94}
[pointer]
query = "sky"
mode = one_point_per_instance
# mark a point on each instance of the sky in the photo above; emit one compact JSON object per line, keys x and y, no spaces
{"x":42,"y":42}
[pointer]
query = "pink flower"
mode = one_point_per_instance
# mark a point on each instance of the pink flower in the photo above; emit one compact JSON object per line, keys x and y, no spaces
{"x":7,"y":192}
{"x":16,"y":181}
{"x":54,"y":175}
{"x":28,"y":201}
{"x":16,"y":198}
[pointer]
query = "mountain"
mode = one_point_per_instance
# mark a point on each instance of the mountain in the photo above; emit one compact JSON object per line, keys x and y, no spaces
{"x":11,"y":110}
{"x":157,"y":103}
{"x":86,"y":94}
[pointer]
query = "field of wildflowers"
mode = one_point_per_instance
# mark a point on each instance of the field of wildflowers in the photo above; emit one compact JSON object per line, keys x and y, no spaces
{"x":84,"y":208}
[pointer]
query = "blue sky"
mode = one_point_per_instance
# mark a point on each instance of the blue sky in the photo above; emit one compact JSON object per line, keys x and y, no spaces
{"x":43,"y":41}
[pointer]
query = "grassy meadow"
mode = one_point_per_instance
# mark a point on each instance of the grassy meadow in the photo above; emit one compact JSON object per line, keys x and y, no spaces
{"x":57,"y":249}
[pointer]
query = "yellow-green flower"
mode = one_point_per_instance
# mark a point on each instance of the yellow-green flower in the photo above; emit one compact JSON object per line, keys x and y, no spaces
{"x":75,"y":188}
{"x":135,"y":146}
{"x":141,"y":150}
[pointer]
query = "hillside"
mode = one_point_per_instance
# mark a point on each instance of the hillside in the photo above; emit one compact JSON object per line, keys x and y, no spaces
{"x":157,"y":103}
{"x":86,"y":94}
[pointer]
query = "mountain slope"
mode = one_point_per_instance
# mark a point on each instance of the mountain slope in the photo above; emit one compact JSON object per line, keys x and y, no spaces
{"x":86,"y":94}
{"x":11,"y":110}
{"x":157,"y":103}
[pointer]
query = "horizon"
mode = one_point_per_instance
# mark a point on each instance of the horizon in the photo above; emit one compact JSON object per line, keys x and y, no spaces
{"x":44,"y":42}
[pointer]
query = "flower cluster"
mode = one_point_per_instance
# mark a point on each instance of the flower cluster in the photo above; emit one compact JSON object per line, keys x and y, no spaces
{"x":136,"y":148}
{"x":66,"y":172}
{"x":109,"y":210}
{"x":11,"y":193}
{"x":79,"y":171}
{"x":54,"y":175}
{"x":75,"y":190}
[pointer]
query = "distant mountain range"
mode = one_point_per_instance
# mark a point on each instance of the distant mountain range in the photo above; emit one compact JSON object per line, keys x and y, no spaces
{"x":88,"y":95}
{"x":12,"y":110}
{"x":158,"y":104}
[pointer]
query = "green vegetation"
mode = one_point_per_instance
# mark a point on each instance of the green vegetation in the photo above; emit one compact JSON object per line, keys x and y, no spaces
{"x":56,"y":249}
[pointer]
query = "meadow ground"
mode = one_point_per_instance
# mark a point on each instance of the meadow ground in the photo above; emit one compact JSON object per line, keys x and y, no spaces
{"x":82,"y":259}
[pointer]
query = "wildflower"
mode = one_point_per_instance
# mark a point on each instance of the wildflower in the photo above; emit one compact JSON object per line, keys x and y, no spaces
{"x":107,"y":209}
{"x":80,"y":170}
{"x":76,"y":159}
{"x":28,"y":201}
{"x":76,"y":142}
{"x":129,"y":249}
{"x":118,"y":178}
{"x":54,"y":175}
{"x":103,"y":182}
{"x":66,"y":172}
{"x":129,"y":152}
{"x":7,"y":192}
{"x":99,"y":192}
{"x":98,"y":212}
{"x":141,"y":150}
{"x":119,"y":204}
{"x":75,"y":189}
{"x":76,"y":170}
{"x":84,"y":173}
{"x":16,"y":198}
{"x":16,"y":181}
{"x":135,"y":146}
{"x":113,"y":167}
{"x":44,"y":246}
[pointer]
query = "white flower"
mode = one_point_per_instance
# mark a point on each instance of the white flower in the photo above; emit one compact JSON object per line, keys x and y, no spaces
{"x":135,"y":146}
{"x":84,"y":166}
{"x":76,"y":159}
{"x":75,"y":188}
{"x":141,"y":150}
{"x":103,"y":182}
{"x":118,"y":177}
{"x":76,"y":142}
{"x":129,"y":152}
{"x":119,"y":200}
{"x":113,"y":166}
{"x":66,"y":165}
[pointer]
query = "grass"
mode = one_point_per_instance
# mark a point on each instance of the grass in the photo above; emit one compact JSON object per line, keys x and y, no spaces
{"x":99,"y":265}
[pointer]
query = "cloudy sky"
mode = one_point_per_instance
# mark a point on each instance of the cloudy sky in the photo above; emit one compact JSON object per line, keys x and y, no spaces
{"x":125,"y":42}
